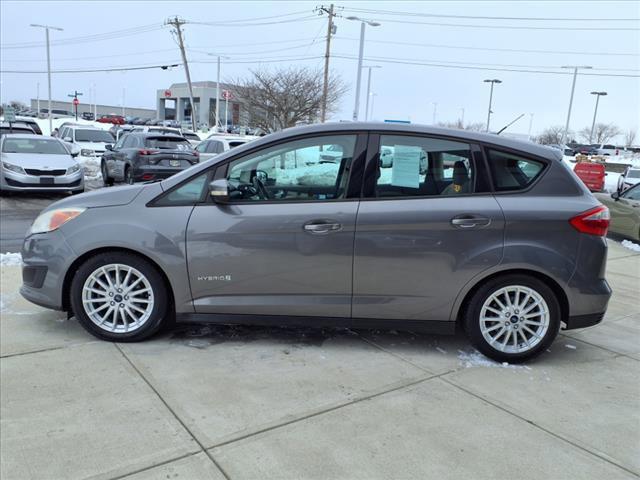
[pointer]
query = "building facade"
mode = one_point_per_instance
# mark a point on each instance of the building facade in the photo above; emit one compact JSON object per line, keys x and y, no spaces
{"x":173,"y":103}
{"x":102,"y":109}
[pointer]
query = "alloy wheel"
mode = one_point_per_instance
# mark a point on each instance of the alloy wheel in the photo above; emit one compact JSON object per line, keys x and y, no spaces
{"x":514,"y":319}
{"x":118,"y":298}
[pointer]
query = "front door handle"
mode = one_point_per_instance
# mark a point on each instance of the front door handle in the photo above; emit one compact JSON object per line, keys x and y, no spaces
{"x":470,"y":221}
{"x":319,"y":227}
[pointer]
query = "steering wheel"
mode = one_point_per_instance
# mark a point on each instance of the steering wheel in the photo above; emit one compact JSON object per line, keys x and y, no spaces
{"x":262,"y":190}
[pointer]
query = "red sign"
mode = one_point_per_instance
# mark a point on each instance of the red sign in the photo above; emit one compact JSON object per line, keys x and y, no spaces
{"x":167,"y":93}
{"x":76,"y":101}
{"x":592,"y":174}
{"x":226,"y":94}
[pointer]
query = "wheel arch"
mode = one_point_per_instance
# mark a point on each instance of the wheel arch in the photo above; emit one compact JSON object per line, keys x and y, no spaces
{"x":559,"y":292}
{"x":73,"y":268}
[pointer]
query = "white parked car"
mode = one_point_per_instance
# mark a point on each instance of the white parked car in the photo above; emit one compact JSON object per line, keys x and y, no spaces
{"x":193,"y":137}
{"x":629,"y":178}
{"x":217,"y":144}
{"x":88,"y":141}
{"x":31,"y":162}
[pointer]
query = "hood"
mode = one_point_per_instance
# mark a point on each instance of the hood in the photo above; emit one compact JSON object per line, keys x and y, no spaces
{"x":39,"y":161}
{"x":105,"y":197}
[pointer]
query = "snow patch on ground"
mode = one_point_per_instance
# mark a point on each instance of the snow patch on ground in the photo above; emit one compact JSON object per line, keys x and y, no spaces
{"x":572,"y":347}
{"x":631,"y":246}
{"x":13,"y":259}
{"x":476,"y":359}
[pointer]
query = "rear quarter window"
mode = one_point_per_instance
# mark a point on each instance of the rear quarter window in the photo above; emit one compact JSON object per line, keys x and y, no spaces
{"x":512,"y":172}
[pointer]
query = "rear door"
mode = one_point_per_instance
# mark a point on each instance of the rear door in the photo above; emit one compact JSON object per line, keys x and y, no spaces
{"x":284,"y":243}
{"x":427,"y":225}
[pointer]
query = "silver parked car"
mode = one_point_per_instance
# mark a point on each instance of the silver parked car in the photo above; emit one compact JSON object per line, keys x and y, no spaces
{"x":33,"y":162}
{"x":461,"y":229}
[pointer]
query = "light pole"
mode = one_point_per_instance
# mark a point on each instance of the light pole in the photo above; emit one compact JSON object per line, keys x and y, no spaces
{"x":573,"y":88}
{"x":218,"y":123}
{"x":373,"y":99}
{"x":435,"y":109}
{"x":530,"y":124}
{"x":47,"y":28}
{"x":492,"y":82}
{"x":462,"y":120}
{"x":363,"y":22}
{"x":595,"y":112}
{"x":366,"y":112}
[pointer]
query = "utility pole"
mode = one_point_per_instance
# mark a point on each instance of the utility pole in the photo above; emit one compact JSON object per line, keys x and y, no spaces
{"x":75,"y":95}
{"x":38,"y":99}
{"x":47,"y":28}
{"x":123,"y":93}
{"x":331,"y":30}
{"x":366,"y":111}
{"x":565,"y":133}
{"x":435,"y":109}
{"x":177,"y":24}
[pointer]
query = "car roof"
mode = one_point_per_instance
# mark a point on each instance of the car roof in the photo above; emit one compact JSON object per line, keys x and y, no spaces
{"x":20,"y":125}
{"x":157,"y":135}
{"x":391,"y":128}
{"x":33,"y":136}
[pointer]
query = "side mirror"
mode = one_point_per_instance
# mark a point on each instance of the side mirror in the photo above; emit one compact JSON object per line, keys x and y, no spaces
{"x":67,"y":139}
{"x":219,"y":190}
{"x":109,"y":146}
{"x":615,"y":195}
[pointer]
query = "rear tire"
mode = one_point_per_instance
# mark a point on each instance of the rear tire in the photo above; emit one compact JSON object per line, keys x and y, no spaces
{"x":512,"y":318}
{"x":128,"y":175}
{"x":119,"y":297}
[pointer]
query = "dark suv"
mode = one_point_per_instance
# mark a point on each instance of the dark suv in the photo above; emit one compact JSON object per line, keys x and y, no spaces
{"x":408,"y":227}
{"x":146,"y":156}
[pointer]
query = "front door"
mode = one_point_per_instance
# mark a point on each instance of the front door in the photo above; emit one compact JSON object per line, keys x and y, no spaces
{"x":428,"y":226}
{"x":284,"y":243}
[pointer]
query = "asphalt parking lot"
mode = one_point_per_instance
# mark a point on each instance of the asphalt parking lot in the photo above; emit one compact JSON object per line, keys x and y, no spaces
{"x":255,"y":403}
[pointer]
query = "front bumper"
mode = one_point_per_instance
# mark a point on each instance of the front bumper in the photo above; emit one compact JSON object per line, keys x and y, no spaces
{"x":17,"y":182}
{"x":46,"y":258}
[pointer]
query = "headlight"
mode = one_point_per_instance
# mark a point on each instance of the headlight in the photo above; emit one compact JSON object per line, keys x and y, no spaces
{"x":73,"y":169}
{"x":86,"y":152}
{"x":13,"y":168}
{"x":54,"y":219}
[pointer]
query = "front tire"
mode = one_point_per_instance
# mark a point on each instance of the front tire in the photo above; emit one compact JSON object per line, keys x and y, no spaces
{"x":106,"y":180}
{"x":513,"y":318}
{"x":119,"y":297}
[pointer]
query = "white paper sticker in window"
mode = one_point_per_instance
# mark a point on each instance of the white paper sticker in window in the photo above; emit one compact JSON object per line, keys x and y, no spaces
{"x":406,"y":166}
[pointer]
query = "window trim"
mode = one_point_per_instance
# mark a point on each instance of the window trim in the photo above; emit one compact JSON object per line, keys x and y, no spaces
{"x":373,"y":155}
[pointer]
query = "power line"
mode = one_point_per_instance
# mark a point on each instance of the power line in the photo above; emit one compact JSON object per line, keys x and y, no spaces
{"x":98,"y":70}
{"x":464,"y":66}
{"x":508,"y":27}
{"x":224,"y":52}
{"x":476,"y":17}
{"x":511,"y":50}
{"x":306,"y":18}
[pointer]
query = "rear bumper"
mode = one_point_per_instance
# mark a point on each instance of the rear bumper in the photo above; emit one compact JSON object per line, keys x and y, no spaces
{"x":144,"y":173}
{"x":583,"y":321}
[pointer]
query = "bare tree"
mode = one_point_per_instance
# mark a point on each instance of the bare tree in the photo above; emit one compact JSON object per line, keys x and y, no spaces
{"x":286,"y":97}
{"x":630,"y":137}
{"x":551,"y":135}
{"x":602,"y":133}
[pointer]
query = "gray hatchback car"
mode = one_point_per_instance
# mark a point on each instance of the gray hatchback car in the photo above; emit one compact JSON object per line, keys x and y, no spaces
{"x":453,"y":229}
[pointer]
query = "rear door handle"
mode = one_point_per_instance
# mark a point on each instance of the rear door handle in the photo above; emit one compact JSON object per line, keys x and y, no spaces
{"x":470,"y":221}
{"x":319,"y":227}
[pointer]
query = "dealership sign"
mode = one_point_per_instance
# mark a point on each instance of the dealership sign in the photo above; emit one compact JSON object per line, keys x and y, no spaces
{"x":167,"y":93}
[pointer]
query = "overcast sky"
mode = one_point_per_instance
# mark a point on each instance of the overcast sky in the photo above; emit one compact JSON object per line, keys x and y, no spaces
{"x":403,"y":91}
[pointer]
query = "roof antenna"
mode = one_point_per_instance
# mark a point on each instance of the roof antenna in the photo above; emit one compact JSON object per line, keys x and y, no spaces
{"x":509,"y":124}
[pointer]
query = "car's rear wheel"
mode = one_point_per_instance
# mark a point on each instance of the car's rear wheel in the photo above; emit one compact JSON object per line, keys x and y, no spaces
{"x":513,"y":318}
{"x":119,"y":297}
{"x":128,"y":175}
{"x":106,"y":180}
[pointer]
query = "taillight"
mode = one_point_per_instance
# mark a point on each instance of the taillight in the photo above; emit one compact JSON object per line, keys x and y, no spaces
{"x":145,"y":151}
{"x":592,"y":222}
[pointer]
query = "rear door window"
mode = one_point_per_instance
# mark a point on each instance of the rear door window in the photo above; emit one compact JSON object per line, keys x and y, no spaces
{"x":512,"y":172}
{"x":413,"y":166}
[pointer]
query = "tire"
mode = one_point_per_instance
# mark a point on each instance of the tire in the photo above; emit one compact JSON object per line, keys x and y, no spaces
{"x":106,"y":180}
{"x":533,"y":329}
{"x":150,"y":308}
{"x":128,"y":175}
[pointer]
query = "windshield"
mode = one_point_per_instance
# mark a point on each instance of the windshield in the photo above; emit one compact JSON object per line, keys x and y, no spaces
{"x":93,"y":136}
{"x":165,"y":143}
{"x":236,"y":144}
{"x":633,"y":174}
{"x":32,"y":145}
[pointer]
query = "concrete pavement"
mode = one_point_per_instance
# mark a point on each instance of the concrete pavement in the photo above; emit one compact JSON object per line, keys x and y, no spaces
{"x":216,"y":402}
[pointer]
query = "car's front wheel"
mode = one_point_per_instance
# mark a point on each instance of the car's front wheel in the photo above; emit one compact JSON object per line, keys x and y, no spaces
{"x":513,"y":318}
{"x":119,"y":297}
{"x":106,"y":180}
